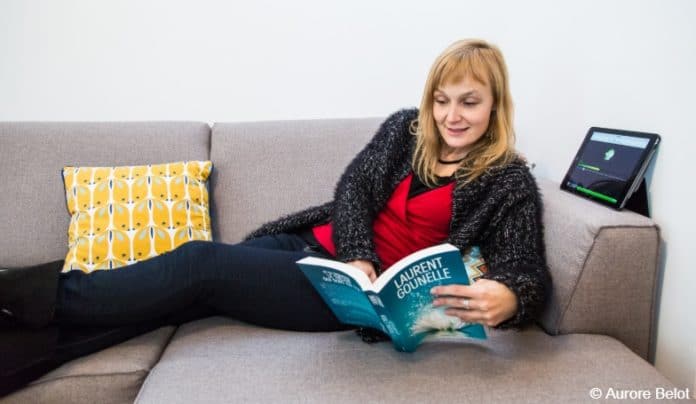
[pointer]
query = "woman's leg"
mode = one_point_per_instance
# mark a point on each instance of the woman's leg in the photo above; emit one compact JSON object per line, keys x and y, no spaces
{"x":260,"y":284}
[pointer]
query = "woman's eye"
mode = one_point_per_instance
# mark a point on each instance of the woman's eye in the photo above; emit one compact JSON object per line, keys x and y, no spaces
{"x":440,"y":101}
{"x":470,"y":103}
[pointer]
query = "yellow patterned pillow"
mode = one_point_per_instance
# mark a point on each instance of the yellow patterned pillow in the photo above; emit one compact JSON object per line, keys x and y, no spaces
{"x":122,"y":215}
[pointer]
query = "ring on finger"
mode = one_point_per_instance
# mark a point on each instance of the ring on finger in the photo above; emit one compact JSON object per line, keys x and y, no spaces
{"x":465,"y":303}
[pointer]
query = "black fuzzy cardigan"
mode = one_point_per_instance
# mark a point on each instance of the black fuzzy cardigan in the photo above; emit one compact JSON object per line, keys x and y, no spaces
{"x":500,"y":212}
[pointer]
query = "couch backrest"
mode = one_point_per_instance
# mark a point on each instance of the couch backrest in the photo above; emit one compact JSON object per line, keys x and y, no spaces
{"x":34,"y":218}
{"x":268,"y":169}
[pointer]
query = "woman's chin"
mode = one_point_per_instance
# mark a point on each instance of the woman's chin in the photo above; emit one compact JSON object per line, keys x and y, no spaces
{"x":458,"y":145}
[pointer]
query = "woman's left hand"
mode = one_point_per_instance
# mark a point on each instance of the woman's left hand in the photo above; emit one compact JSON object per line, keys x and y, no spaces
{"x":486,"y":302}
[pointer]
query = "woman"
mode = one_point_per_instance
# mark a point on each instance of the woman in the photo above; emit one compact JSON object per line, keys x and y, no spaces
{"x":446,"y":172}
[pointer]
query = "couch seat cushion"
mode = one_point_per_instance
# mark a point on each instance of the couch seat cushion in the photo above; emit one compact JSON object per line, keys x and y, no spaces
{"x":113,"y":375}
{"x":218,"y":360}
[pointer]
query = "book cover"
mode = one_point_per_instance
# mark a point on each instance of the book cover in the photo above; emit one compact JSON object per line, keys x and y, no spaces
{"x":399,"y":302}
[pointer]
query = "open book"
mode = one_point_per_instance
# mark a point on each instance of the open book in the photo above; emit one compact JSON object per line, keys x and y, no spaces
{"x":399,"y":302}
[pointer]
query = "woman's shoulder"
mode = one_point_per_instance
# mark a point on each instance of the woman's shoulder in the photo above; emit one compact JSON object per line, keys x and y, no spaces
{"x":396,"y":128}
{"x":513,"y":176}
{"x":403,"y":115}
{"x":517,"y":166}
{"x":400,"y":120}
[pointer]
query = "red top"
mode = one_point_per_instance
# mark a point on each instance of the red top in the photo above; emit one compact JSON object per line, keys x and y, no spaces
{"x":405,"y":225}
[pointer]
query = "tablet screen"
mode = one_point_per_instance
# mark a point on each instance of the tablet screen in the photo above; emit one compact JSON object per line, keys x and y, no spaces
{"x":608,"y":164}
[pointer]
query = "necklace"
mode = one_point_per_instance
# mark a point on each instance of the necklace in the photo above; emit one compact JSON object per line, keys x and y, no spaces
{"x":441,"y":161}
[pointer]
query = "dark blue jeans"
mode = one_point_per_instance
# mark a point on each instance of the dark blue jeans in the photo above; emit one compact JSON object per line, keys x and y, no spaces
{"x":256,"y":281}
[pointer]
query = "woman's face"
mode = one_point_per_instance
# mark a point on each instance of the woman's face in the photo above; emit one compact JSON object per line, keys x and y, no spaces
{"x":462,"y":112}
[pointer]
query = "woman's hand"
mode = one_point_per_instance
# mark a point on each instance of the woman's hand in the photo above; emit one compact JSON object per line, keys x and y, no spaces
{"x":365,"y":266}
{"x":486,"y":302}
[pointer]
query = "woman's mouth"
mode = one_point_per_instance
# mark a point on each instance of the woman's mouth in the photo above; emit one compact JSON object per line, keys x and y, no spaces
{"x":456,"y":131}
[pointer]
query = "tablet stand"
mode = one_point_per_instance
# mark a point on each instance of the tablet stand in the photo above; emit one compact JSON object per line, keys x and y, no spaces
{"x":638,"y":202}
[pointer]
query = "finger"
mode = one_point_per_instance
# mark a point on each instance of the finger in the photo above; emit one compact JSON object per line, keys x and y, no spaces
{"x":454,"y":290}
{"x":456,"y":302}
{"x":369,"y":272}
{"x":469,"y":316}
{"x":475,"y":316}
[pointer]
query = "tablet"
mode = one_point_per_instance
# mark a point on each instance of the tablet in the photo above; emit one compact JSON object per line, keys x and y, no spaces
{"x":610,"y":165}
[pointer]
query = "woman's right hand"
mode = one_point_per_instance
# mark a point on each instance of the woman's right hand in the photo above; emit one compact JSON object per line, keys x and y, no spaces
{"x":366,"y":266}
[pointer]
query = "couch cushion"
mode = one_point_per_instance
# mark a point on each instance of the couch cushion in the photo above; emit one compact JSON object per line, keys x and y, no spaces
{"x":34,"y":153}
{"x":275,"y":168}
{"x":218,"y":360}
{"x":604,"y":269}
{"x":113,"y":375}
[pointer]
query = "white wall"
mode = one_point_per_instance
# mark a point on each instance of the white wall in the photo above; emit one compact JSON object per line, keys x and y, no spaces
{"x":623,"y":64}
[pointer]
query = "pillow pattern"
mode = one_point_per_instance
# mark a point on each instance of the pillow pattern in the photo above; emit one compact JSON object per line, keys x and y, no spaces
{"x":122,"y":215}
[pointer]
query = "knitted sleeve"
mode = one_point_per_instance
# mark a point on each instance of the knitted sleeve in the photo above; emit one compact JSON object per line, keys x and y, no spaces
{"x":363,"y":189}
{"x":516,"y":255}
{"x":294,"y":222}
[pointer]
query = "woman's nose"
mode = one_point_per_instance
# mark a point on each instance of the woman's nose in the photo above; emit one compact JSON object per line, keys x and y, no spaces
{"x":453,"y":114}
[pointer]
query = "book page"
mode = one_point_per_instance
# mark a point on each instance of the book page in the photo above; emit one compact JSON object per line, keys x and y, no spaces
{"x":341,"y":293}
{"x":354,"y":273}
{"x":408,"y":299}
{"x":409,"y":261}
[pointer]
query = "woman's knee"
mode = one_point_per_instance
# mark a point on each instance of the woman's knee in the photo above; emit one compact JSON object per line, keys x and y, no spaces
{"x":195,"y":249}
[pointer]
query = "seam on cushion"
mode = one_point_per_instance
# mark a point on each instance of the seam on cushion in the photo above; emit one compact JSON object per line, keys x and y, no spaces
{"x":164,"y":347}
{"x":97,"y":337}
{"x":157,"y":359}
{"x":584,"y":265}
{"x":142,"y":386}
{"x":156,"y":362}
{"x":653,"y":314}
{"x":88,"y":340}
{"x":116,"y":331}
{"x":209,"y":137}
{"x":212,"y":205}
{"x":562,"y":314}
{"x":87,"y":375}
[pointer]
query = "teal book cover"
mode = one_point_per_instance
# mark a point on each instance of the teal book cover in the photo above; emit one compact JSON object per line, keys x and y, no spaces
{"x":399,"y":302}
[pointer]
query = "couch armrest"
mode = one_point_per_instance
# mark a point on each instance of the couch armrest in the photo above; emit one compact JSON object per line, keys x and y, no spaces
{"x":604,"y":268}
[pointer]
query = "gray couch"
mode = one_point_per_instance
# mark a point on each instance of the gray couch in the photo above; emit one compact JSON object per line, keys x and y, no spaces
{"x":596,"y":333}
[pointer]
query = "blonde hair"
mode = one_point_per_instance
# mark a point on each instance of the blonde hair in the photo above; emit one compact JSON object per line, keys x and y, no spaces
{"x":484,"y":63}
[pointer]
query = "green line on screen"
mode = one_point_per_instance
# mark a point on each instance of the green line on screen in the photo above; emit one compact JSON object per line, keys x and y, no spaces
{"x":589,"y":167}
{"x":596,"y":194}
